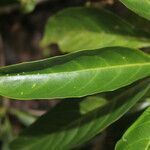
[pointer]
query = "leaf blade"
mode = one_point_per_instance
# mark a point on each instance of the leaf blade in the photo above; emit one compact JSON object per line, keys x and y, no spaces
{"x":89,"y":28}
{"x":142,"y":8}
{"x":73,"y":75}
{"x":71,"y":128}
{"x":137,"y":135}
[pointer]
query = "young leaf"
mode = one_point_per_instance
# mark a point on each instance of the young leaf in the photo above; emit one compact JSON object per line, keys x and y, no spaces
{"x":138,"y":135}
{"x":141,"y":7}
{"x":77,"y":29}
{"x":66,"y":126}
{"x":74,"y":75}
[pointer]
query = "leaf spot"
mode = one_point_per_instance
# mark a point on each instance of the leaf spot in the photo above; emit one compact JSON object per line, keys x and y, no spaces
{"x":33,"y":85}
{"x":21,"y":93}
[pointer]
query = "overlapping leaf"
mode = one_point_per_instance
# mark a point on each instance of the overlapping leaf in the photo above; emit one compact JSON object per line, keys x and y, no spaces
{"x":141,"y":7}
{"x":138,"y":135}
{"x":74,"y":75}
{"x":72,"y":123}
{"x":24,"y":117}
{"x":26,"y":5}
{"x":77,"y":29}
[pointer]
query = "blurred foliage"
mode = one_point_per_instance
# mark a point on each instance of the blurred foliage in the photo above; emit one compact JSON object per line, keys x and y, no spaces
{"x":26,"y":6}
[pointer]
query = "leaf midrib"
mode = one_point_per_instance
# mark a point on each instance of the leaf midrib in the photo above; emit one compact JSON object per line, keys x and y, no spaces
{"x":81,"y":70}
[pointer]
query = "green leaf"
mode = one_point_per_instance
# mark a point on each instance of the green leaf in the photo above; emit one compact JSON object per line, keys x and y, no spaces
{"x":6,"y":133}
{"x":137,"y":137}
{"x":66,"y":127}
{"x":75,"y":29}
{"x":27,"y":5}
{"x":74,"y":75}
{"x":91,"y":103}
{"x":22,"y":116}
{"x":138,"y":21}
{"x":141,"y":7}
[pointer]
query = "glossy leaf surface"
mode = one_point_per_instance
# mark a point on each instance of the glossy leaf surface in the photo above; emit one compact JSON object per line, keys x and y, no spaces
{"x":77,"y":29}
{"x":141,"y":7}
{"x":69,"y":124}
{"x":75,"y":75}
{"x":138,"y":135}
